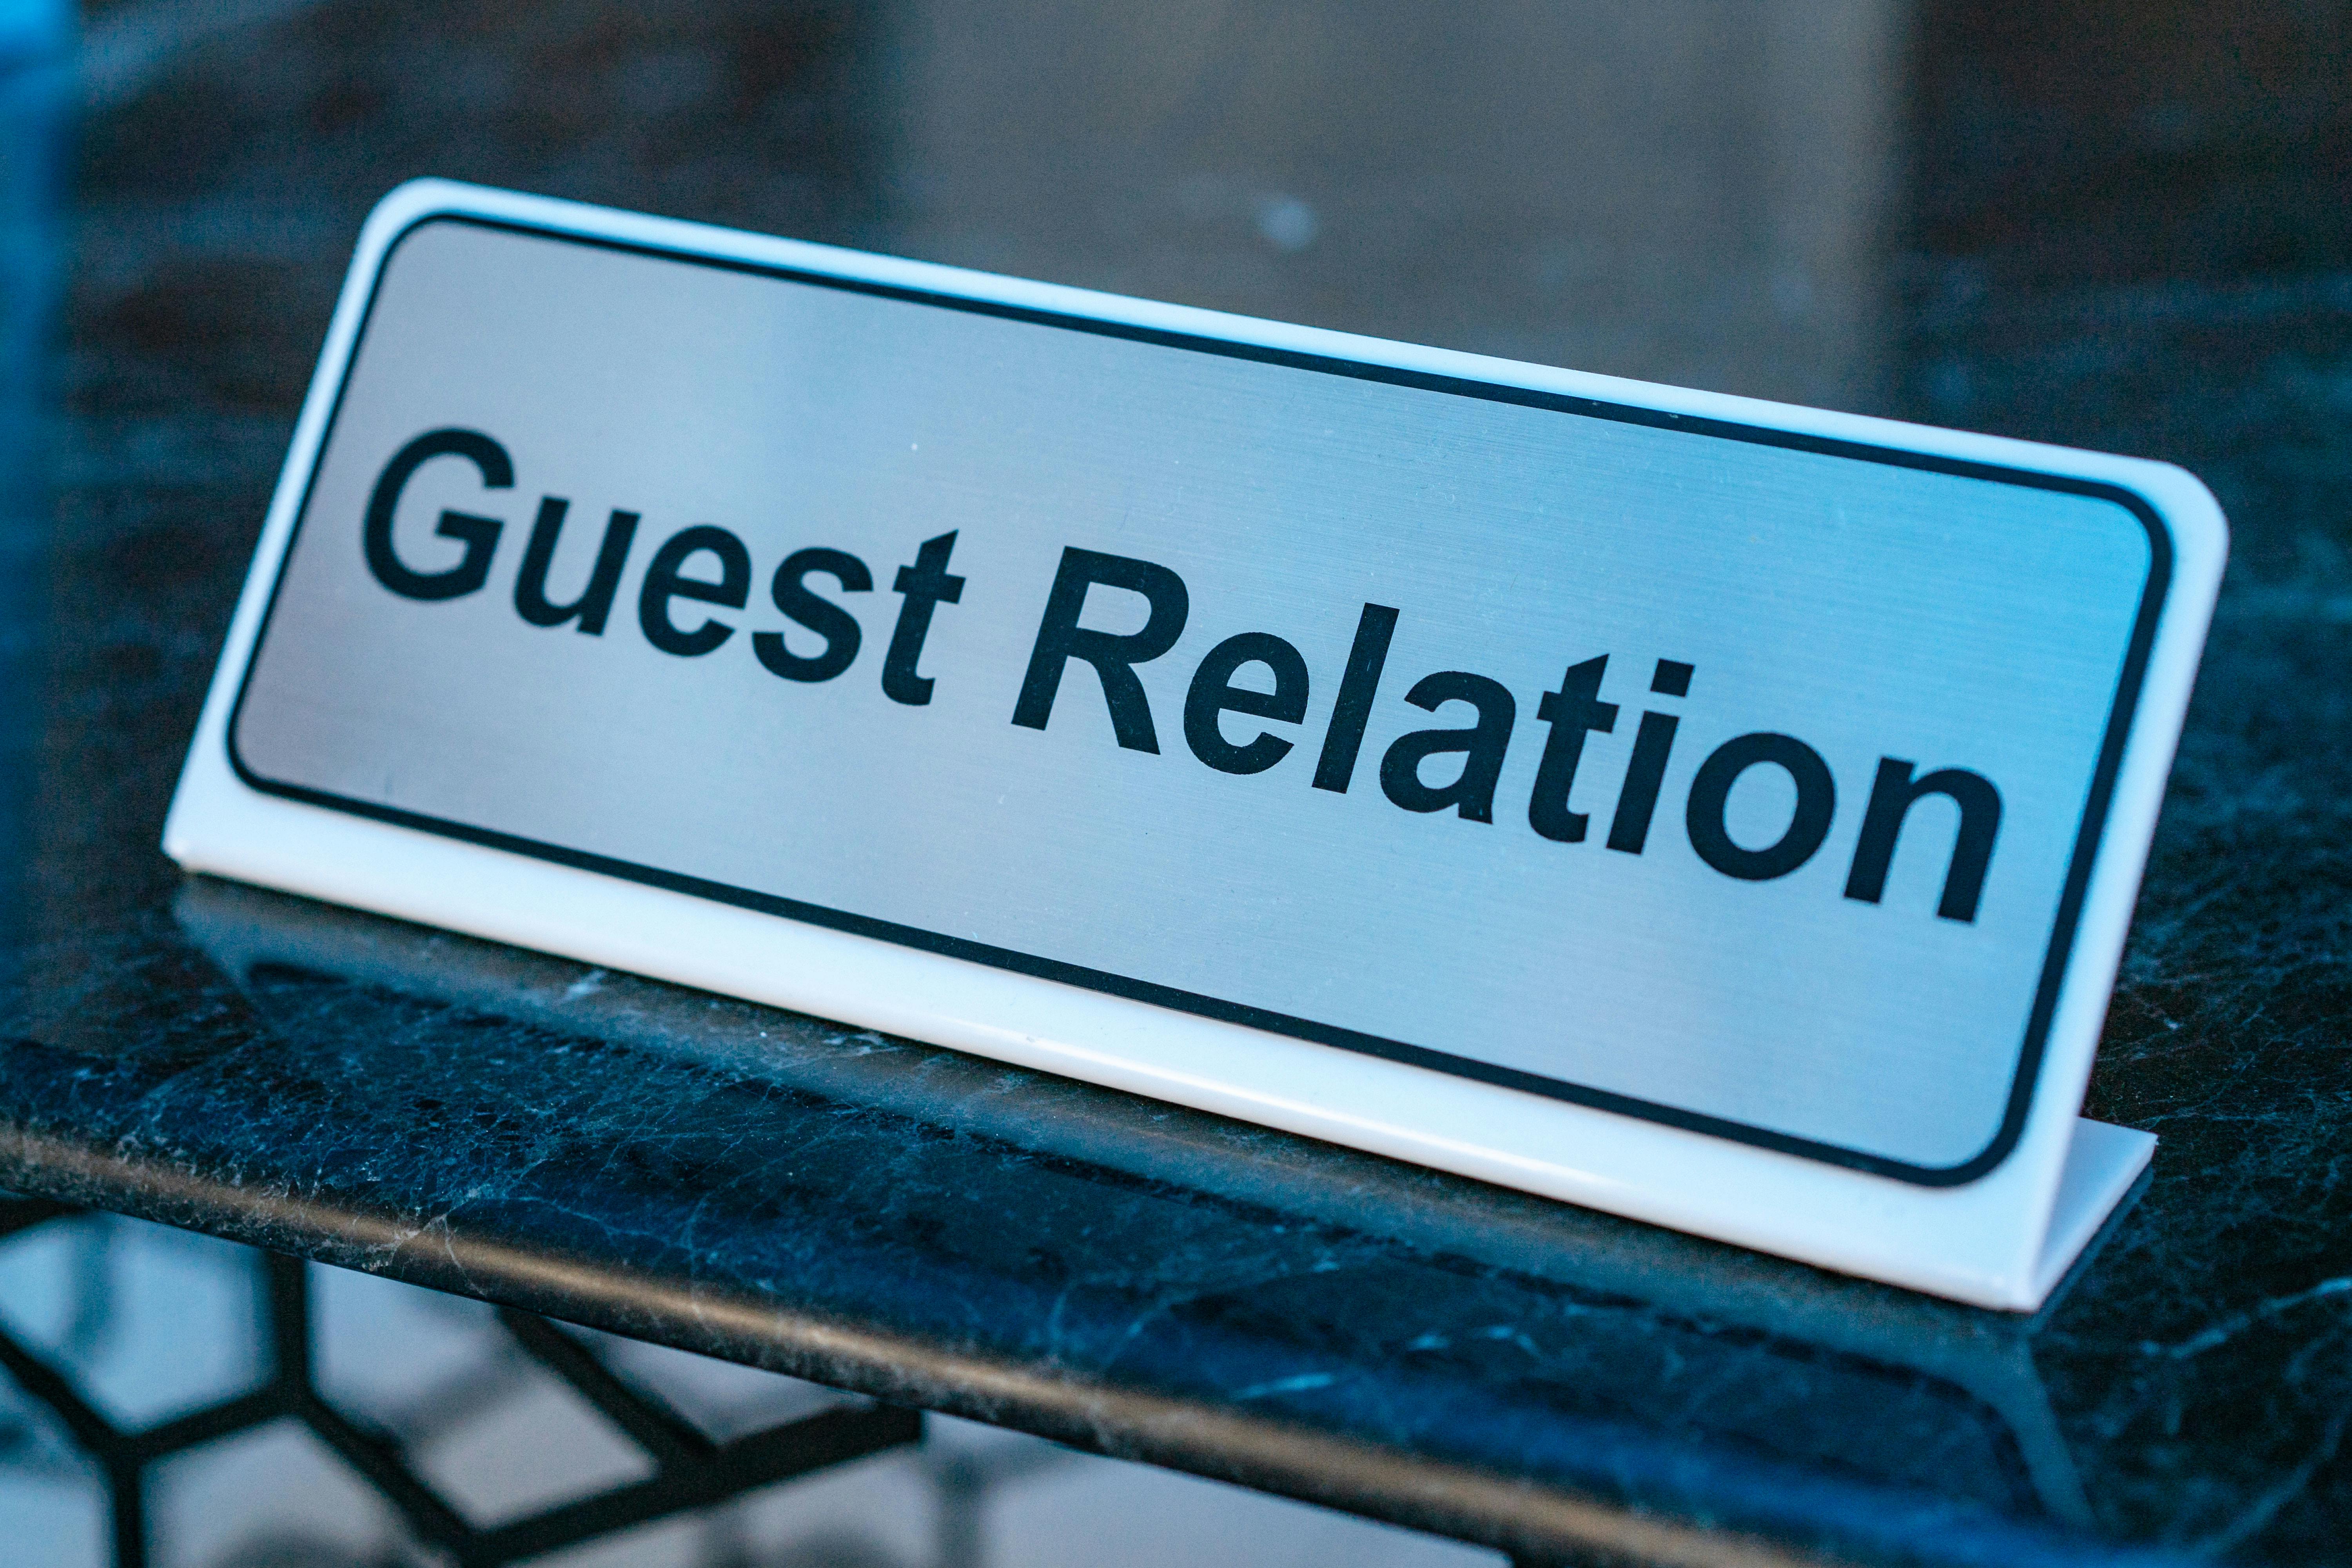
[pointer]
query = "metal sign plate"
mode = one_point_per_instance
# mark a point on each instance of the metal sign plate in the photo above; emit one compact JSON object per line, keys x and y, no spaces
{"x":1748,"y":777}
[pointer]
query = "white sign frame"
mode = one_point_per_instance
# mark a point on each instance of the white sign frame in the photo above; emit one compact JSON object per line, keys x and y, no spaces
{"x":2000,"y":1237}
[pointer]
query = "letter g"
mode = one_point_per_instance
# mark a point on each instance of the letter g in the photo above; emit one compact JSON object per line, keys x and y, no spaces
{"x":479,"y":534}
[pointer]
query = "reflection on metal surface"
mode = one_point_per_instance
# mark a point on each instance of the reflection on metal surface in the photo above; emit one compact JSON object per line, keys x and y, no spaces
{"x":1791,"y":1356}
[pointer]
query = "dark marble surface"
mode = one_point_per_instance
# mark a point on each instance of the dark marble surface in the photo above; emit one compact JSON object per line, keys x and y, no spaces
{"x":2113,"y":225}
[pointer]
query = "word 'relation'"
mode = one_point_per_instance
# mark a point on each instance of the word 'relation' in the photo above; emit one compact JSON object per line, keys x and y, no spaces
{"x":722,"y":578}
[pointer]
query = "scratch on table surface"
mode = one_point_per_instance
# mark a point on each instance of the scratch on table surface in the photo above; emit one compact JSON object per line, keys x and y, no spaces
{"x":2236,"y":1323}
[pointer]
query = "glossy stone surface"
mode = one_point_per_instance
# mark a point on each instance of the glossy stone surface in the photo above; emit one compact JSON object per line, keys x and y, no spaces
{"x":2110,"y":225}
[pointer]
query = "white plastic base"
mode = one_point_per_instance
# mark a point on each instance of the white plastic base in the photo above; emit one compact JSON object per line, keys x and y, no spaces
{"x":2101,"y":1164}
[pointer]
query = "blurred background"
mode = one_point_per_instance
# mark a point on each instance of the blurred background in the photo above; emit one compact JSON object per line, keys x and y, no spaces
{"x":2124,"y":224}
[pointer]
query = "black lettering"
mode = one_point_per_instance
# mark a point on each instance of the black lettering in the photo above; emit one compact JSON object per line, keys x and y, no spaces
{"x":1483,"y":745}
{"x":926,"y":584}
{"x":1113,"y":655}
{"x":1637,"y":802}
{"x":1357,"y":686}
{"x":828,"y":620}
{"x":665,"y":582}
{"x":1212,"y":692}
{"x":1572,"y":711}
{"x":595,"y":601}
{"x":479,"y":535}
{"x":1807,"y":825}
{"x":1891,"y":796}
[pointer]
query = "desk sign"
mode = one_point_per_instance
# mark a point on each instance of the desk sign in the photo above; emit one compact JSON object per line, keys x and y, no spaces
{"x":1722,"y":814}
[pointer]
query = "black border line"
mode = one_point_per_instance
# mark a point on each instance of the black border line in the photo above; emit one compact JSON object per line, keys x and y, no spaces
{"x":2071,"y":900}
